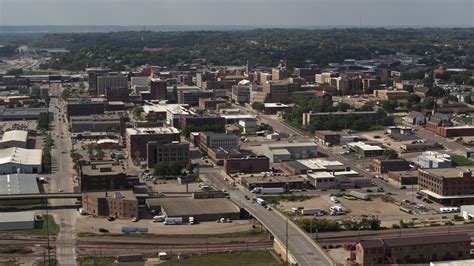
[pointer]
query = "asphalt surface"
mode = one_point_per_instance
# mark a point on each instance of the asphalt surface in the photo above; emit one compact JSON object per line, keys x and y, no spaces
{"x":300,"y":245}
{"x":62,"y":181}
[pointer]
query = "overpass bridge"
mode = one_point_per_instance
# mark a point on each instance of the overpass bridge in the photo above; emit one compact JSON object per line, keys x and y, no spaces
{"x":67,"y":195}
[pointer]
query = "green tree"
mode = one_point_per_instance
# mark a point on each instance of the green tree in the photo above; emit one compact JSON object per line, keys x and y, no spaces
{"x":258,"y":106}
{"x":390,"y":154}
{"x":43,"y":121}
{"x":175,"y":168}
{"x":14,"y":72}
{"x":161,"y":169}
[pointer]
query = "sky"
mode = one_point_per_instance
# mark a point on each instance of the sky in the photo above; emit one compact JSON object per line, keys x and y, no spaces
{"x":286,"y":13}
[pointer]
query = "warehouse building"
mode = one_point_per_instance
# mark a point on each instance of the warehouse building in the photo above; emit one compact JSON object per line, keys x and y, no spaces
{"x":14,"y":160}
{"x":202,"y":210}
{"x":14,"y":138}
{"x":98,"y":122}
{"x":247,"y":164}
{"x":21,"y":113}
{"x":290,"y":151}
{"x":286,"y":182}
{"x":18,"y":184}
{"x":17,"y":221}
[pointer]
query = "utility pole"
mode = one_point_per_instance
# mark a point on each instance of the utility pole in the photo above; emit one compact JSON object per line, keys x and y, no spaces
{"x":286,"y":242}
{"x":47,"y":231}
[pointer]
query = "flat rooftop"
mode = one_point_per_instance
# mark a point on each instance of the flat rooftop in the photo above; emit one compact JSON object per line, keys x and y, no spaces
{"x":21,"y":156}
{"x":126,"y":195}
{"x":365,"y":147}
{"x":446,"y":172}
{"x":290,"y":145}
{"x":176,"y":207}
{"x":14,"y":184}
{"x":15,"y":135}
{"x":98,"y":169}
{"x":11,"y":217}
{"x":152,"y":130}
{"x":272,"y":179}
{"x":320,"y":163}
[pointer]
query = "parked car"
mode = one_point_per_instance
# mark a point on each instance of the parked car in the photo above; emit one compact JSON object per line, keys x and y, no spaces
{"x":103,"y":230}
{"x":110,"y":219}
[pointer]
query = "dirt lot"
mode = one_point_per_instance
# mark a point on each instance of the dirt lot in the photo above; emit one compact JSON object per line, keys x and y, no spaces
{"x":171,"y":186}
{"x":92,"y":225}
{"x":322,"y":202}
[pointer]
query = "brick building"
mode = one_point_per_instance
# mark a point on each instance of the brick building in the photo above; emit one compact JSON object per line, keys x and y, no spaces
{"x":100,"y":176}
{"x":413,"y":250}
{"x":167,"y":153}
{"x":85,"y":106}
{"x":404,"y":178}
{"x":122,"y":204}
{"x":138,"y":138}
{"x":385,"y":166}
{"x":248,"y":164}
{"x":453,"y":186}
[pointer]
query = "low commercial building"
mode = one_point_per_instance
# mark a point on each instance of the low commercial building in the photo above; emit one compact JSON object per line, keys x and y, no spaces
{"x":467,"y":212}
{"x":14,"y":138}
{"x":102,"y":122}
{"x":210,"y":209}
{"x":391,"y":95}
{"x":432,"y":159}
{"x":274,"y":181}
{"x":420,"y":146}
{"x":121,"y":204}
{"x":17,"y":221}
{"x":337,"y":115}
{"x":18,"y":184}
{"x":413,"y":249}
{"x":210,"y":140}
{"x":273,"y":108}
{"x":322,"y":180}
{"x":312,"y":165}
{"x":404,"y":178}
{"x":385,"y":166}
{"x":100,"y":176}
{"x":327,"y":138}
{"x":249,"y":126}
{"x":14,"y":160}
{"x":199,"y":123}
{"x":218,"y":155}
{"x":450,"y":186}
{"x":247,"y":164}
{"x":210,"y":103}
{"x":338,"y":180}
{"x":138,"y":138}
{"x":85,"y":106}
{"x":170,"y":153}
{"x":21,"y":113}
{"x":365,"y":150}
{"x":280,"y":152}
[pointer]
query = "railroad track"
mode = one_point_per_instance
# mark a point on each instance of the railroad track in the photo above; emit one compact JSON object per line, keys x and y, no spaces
{"x":107,"y":248}
{"x":393,"y":234}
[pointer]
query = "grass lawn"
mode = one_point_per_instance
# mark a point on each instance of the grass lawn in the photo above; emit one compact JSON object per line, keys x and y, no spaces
{"x":460,"y":160}
{"x":48,"y":220}
{"x":256,"y":258}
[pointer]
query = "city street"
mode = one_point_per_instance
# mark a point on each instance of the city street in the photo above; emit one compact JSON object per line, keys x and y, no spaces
{"x":301,"y":246}
{"x":62,"y":181}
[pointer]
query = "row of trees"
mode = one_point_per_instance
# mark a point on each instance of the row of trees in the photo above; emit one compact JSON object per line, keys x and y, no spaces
{"x":326,"y":225}
{"x":118,"y":50}
{"x":47,"y":160}
{"x":43,"y":122}
{"x":163,"y":169}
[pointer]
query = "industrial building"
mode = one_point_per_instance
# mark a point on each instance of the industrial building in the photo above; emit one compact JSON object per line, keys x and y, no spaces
{"x":121,"y":204}
{"x":210,"y":209}
{"x":14,"y":138}
{"x":21,"y":113}
{"x":280,"y":152}
{"x":19,"y":160}
{"x":18,"y":184}
{"x":10,"y":221}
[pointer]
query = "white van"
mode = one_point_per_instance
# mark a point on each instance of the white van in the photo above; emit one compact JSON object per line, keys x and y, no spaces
{"x":334,"y":199}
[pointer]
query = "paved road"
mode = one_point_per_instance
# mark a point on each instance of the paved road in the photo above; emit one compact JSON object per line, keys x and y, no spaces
{"x":300,"y":245}
{"x":62,"y":180}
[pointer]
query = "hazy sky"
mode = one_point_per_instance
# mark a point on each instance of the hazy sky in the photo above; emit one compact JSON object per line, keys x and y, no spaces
{"x":239,"y":12}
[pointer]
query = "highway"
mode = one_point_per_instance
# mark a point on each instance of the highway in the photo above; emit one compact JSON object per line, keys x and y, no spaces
{"x":300,"y":245}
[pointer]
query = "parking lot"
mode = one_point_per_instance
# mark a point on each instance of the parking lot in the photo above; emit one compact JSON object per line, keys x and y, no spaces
{"x":91,"y":224}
